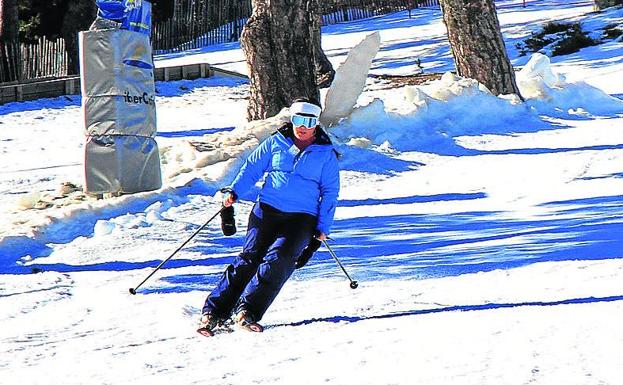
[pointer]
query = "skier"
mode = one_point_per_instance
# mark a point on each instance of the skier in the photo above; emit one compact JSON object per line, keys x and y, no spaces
{"x":296,"y":204}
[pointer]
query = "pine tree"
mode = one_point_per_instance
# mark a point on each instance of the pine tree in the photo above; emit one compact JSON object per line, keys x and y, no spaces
{"x":79,"y":16}
{"x":477,"y":44}
{"x":323,"y":67}
{"x":602,"y":4}
{"x":9,"y":43}
{"x":278,"y":44}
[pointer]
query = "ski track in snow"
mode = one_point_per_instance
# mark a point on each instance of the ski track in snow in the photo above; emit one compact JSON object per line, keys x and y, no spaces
{"x":483,"y":256}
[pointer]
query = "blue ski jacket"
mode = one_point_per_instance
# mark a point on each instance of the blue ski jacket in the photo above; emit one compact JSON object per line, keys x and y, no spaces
{"x":296,"y":181}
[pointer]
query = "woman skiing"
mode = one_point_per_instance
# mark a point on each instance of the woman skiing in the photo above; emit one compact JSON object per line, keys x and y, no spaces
{"x":296,"y":202}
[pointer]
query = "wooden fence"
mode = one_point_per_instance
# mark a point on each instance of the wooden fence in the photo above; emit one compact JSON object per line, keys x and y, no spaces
{"x":195,"y":24}
{"x":201,"y":23}
{"x":70,"y":85}
{"x":338,"y":11}
{"x":425,"y":3}
{"x":10,"y":68}
{"x":45,"y":58}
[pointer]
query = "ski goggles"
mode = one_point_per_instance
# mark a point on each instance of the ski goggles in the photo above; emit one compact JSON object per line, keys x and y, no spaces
{"x":306,"y":121}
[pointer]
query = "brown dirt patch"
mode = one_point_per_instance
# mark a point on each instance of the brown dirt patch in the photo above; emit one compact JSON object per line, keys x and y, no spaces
{"x":395,"y":81}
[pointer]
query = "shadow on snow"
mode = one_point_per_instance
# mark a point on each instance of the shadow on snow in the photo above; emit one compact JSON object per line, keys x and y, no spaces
{"x":423,"y":246}
{"x":192,"y":133}
{"x":465,"y":308}
{"x":413,"y":246}
{"x":182,"y":87}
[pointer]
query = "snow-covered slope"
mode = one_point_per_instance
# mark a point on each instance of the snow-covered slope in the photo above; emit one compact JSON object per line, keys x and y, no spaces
{"x":486,"y":234}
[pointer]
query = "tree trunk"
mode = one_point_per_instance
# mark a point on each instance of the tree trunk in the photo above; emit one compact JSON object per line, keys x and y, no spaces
{"x":9,"y":41}
{"x":277,"y":43}
{"x":324,"y":69}
{"x":80,"y":14}
{"x":477,"y":45}
{"x":603,"y":4}
{"x":8,"y":20}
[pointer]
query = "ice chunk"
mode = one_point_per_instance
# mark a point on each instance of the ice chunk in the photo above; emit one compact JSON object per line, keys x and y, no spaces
{"x":350,"y":78}
{"x":103,"y":227}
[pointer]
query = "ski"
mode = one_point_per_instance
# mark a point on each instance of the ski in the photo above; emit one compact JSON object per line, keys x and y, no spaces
{"x":252,"y":327}
{"x":206,"y":332}
{"x":228,"y":328}
{"x":223,"y":327}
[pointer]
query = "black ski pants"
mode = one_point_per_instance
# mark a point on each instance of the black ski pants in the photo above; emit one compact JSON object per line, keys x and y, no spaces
{"x":273,"y":242}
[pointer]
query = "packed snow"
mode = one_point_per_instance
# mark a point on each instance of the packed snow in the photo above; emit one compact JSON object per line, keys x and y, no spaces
{"x":486,"y":232}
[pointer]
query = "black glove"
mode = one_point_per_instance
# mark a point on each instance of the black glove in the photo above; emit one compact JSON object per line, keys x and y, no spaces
{"x":228,"y":221}
{"x":307,"y":253}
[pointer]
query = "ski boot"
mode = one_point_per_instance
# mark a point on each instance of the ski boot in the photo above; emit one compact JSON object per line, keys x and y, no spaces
{"x":245,"y":321}
{"x":207,"y":324}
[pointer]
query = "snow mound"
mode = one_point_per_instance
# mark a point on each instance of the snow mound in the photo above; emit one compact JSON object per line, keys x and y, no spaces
{"x":28,"y":201}
{"x":435,"y":113}
{"x":432,"y":115}
{"x":103,"y":227}
{"x":550,"y":92}
{"x":216,"y":157}
{"x":536,"y":79}
{"x":151,"y":215}
{"x":450,"y":86}
{"x":429,"y":118}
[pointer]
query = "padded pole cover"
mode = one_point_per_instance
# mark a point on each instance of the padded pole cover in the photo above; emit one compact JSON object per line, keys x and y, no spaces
{"x":118,"y":101}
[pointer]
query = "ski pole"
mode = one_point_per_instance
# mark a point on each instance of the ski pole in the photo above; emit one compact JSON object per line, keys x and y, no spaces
{"x":353,"y":284}
{"x":133,"y":289}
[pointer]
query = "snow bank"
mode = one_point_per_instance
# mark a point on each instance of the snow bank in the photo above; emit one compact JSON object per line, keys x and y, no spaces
{"x":433,"y":114}
{"x":28,"y":201}
{"x":427,"y":118}
{"x":550,"y":92}
{"x":216,"y":157}
{"x":146,"y":218}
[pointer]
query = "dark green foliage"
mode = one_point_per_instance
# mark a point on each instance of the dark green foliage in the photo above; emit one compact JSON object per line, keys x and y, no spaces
{"x":79,"y":16}
{"x":533,"y":44}
{"x":40,"y":18}
{"x":612,"y":32}
{"x":554,"y":27}
{"x":574,"y":40}
{"x":562,"y":39}
{"x":603,"y":4}
{"x":161,"y":10}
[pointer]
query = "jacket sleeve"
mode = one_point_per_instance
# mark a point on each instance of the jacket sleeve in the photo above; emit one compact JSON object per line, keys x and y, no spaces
{"x":253,"y":168}
{"x":329,"y":190}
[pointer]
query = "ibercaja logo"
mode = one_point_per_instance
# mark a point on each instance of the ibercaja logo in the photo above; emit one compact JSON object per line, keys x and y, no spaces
{"x":145,"y":98}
